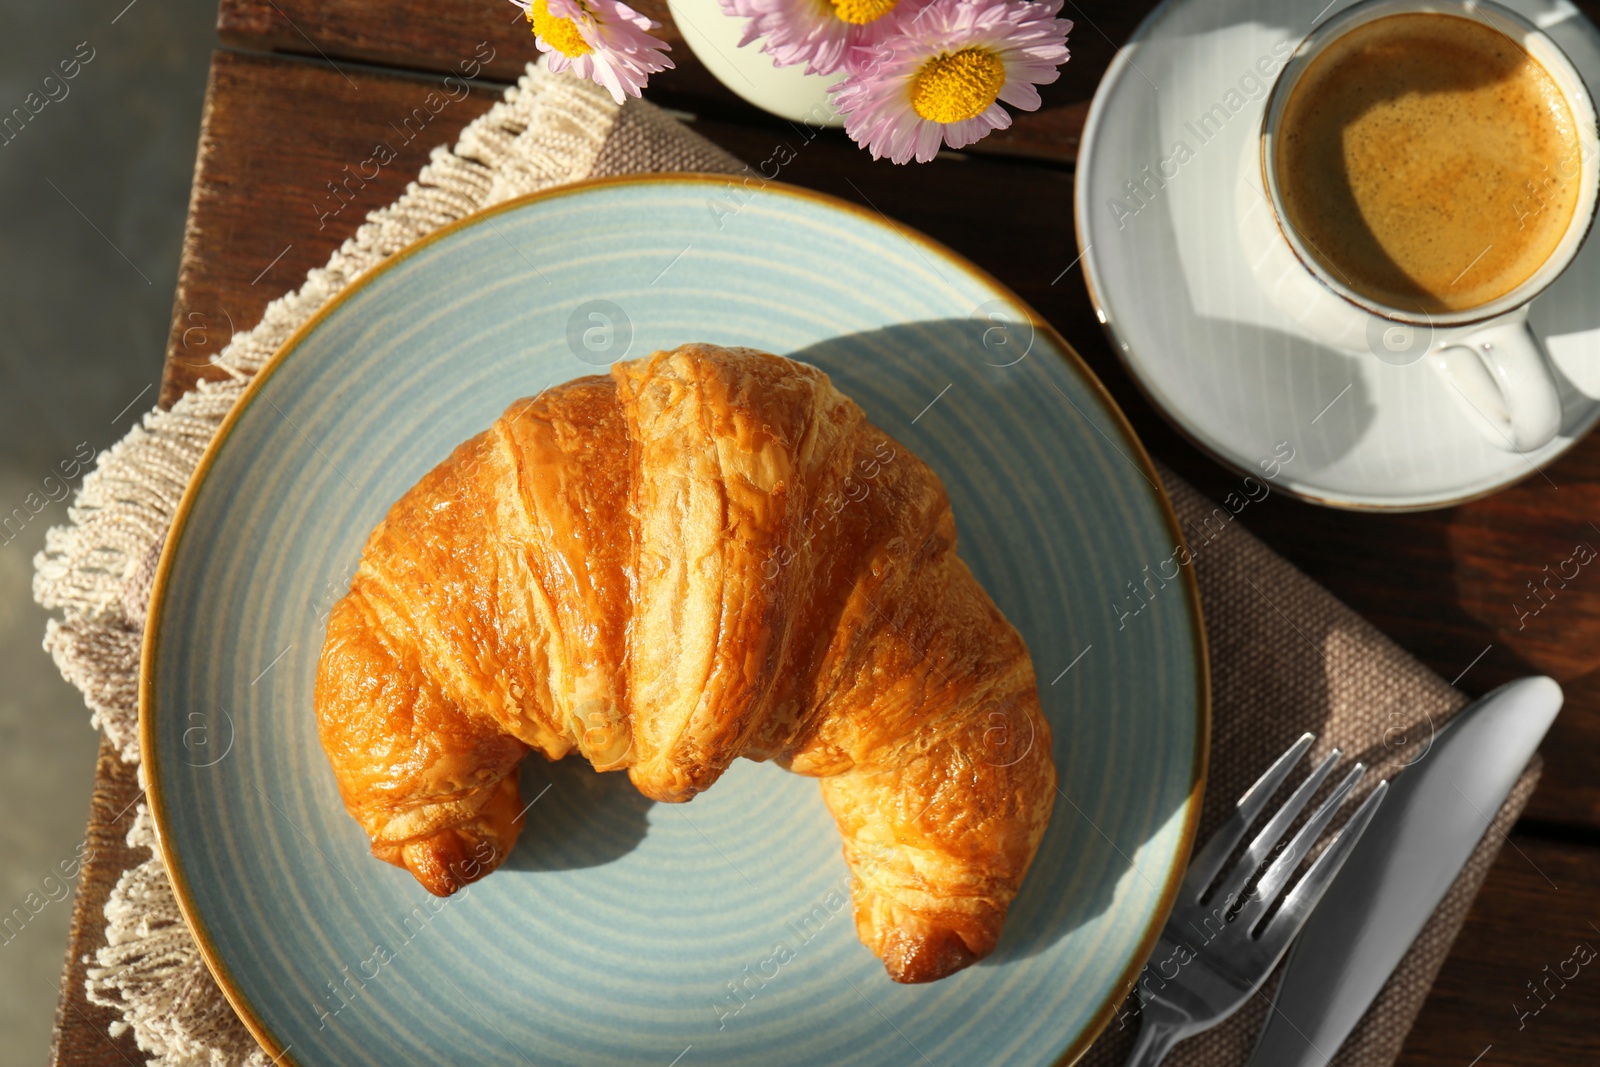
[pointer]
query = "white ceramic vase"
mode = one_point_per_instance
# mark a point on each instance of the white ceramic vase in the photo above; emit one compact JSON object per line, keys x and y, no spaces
{"x":788,"y":92}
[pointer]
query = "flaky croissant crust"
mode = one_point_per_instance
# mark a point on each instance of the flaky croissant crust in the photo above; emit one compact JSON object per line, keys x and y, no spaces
{"x":708,"y":554}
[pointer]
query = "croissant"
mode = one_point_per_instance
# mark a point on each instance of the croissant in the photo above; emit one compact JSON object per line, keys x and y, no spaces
{"x":708,"y":554}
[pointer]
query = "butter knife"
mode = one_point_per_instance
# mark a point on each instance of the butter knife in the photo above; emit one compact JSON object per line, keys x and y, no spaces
{"x":1436,"y":812}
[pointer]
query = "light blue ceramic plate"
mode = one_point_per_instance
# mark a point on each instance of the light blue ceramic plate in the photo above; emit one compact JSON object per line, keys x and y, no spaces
{"x":622,"y":932}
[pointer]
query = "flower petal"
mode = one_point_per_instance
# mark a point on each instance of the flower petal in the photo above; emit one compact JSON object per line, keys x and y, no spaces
{"x":875,"y":94}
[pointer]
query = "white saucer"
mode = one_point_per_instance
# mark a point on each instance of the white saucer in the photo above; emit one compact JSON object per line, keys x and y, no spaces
{"x":1170,"y":278}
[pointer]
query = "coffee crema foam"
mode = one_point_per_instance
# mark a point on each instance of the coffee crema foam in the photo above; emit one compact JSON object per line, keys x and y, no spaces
{"x":1428,"y":162}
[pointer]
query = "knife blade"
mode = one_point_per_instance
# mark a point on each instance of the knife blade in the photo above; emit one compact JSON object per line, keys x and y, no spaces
{"x":1436,"y":812}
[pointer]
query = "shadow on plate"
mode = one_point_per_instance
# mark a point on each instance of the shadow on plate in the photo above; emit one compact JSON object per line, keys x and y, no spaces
{"x":580,"y":819}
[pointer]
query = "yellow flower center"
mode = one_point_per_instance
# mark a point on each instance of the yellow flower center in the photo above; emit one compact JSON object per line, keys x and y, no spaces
{"x":557,"y":32}
{"x":955,"y":86}
{"x":861,"y":12}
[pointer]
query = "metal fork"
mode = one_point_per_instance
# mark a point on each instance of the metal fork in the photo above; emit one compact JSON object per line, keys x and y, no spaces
{"x":1215,"y":950}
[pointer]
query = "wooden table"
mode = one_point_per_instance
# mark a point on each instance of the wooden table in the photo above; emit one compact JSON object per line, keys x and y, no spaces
{"x":305,"y":88}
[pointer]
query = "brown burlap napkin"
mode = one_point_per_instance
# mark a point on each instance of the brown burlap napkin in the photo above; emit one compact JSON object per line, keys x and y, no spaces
{"x":1285,"y":656}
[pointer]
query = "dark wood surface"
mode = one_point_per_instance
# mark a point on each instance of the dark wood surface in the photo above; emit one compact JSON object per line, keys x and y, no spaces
{"x":1536,"y":908}
{"x":83,"y":1030}
{"x":259,"y":218}
{"x":1445,"y":584}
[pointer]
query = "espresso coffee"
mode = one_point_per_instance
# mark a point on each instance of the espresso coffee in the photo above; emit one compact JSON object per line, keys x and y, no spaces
{"x":1428,"y":162}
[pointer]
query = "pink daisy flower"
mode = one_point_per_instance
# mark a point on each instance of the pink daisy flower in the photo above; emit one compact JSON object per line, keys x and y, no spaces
{"x":604,"y":40}
{"x":943,"y":75}
{"x":822,"y":34}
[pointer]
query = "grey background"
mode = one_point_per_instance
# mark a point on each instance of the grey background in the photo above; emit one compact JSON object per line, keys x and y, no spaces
{"x":83,"y":326}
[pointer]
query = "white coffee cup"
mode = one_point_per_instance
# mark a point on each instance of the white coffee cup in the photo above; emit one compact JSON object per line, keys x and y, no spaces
{"x":1486,"y":355}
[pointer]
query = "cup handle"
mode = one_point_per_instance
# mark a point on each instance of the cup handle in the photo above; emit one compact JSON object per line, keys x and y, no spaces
{"x":1501,"y":375}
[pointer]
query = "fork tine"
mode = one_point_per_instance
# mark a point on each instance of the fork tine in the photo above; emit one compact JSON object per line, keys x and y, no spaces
{"x":1278,"y":873}
{"x":1273,"y":832}
{"x":1303,"y":898}
{"x":1207,"y":863}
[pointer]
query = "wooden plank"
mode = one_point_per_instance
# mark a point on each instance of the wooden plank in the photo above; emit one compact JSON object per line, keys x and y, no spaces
{"x":288,"y":167}
{"x":421,"y":36}
{"x":82,"y":1030}
{"x":1500,"y":998}
{"x":437,"y":36}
